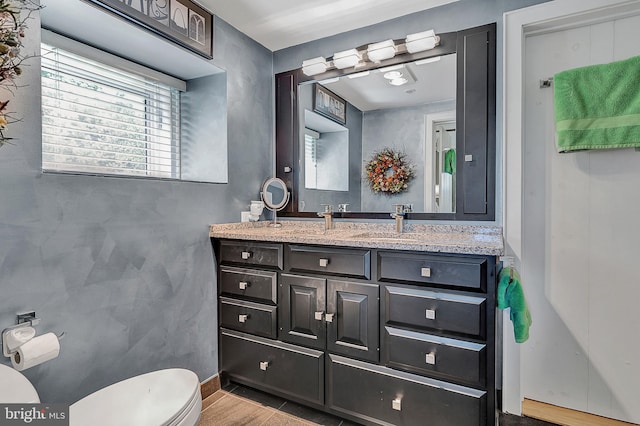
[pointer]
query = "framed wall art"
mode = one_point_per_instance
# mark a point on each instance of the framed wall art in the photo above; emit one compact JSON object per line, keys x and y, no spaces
{"x":180,"y":21}
{"x":329,"y":104}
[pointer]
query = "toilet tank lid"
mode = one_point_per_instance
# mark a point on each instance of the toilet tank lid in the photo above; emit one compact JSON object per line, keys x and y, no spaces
{"x":155,"y":398}
{"x":16,"y":388}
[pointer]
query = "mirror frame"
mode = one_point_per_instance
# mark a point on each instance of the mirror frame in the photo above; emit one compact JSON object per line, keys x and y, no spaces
{"x":475,"y":117}
{"x":279,"y":206}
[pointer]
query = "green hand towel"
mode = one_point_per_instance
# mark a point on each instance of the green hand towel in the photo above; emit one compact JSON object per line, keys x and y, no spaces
{"x":450,"y":161}
{"x":510,"y":295}
{"x":598,"y":107}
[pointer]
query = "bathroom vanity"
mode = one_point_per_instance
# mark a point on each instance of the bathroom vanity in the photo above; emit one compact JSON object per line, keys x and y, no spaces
{"x":361,"y":322}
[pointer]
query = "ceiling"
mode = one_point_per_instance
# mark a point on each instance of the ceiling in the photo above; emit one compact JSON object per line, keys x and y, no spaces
{"x":277,"y":24}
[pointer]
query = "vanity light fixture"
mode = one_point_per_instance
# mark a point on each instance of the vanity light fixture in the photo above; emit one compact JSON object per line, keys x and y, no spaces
{"x":420,"y":42}
{"x":346,"y":59}
{"x":378,"y":52}
{"x":314,"y":66}
{"x":374,"y":54}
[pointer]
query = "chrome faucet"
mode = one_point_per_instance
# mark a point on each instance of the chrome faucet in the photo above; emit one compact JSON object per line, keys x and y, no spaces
{"x":398,"y":215}
{"x":327,"y":213}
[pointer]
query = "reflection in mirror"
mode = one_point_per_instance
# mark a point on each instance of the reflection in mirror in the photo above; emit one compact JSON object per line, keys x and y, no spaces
{"x":440,"y":183}
{"x":275,"y":196}
{"x":326,"y":153}
{"x":409,"y":108}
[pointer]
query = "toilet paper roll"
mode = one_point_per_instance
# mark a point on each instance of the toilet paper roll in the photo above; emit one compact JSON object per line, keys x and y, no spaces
{"x":12,"y":339}
{"x":36,"y":351}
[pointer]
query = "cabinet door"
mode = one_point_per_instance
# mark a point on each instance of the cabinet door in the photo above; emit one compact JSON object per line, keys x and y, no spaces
{"x":302,"y":301}
{"x":352,"y":319}
{"x":476,"y":124}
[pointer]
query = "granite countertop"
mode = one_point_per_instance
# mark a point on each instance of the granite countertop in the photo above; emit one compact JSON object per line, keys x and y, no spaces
{"x":462,"y":239}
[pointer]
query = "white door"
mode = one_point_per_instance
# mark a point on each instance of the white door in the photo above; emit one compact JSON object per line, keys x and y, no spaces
{"x":580,"y":241}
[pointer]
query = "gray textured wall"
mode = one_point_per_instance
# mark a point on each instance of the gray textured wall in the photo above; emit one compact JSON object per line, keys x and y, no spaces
{"x":124,"y":266}
{"x":450,"y":17}
{"x":203,"y":109}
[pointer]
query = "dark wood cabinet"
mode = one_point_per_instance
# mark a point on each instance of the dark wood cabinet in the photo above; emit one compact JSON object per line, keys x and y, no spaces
{"x":392,"y":397}
{"x":341,"y":316}
{"x":376,"y":338}
{"x":292,"y":371}
{"x":354,"y":327}
{"x":302,"y":307}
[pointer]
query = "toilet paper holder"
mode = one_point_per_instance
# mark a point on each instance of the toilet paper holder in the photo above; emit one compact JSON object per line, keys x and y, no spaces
{"x":23,"y":319}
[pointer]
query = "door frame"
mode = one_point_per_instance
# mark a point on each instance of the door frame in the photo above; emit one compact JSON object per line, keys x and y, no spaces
{"x":430,"y":122}
{"x":551,"y":16}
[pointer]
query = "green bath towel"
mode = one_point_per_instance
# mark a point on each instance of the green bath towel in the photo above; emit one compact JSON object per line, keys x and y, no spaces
{"x":598,"y":107}
{"x":510,"y":295}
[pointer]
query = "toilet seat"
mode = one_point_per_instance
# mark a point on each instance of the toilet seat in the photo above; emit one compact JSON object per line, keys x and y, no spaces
{"x":16,"y":388}
{"x":168,"y":397}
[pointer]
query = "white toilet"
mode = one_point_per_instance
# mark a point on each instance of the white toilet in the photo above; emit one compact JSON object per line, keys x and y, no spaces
{"x":161,"y":398}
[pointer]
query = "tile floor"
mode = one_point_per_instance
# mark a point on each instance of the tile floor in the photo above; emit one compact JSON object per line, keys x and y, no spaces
{"x":238,"y":405}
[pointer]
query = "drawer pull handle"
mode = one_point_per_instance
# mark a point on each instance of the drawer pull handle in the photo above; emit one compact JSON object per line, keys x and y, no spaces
{"x":425,"y":272}
{"x":243,"y":285}
{"x":264,"y":365}
{"x":328,"y":317}
{"x":430,"y":358}
{"x":430,"y":314}
{"x":246,"y":255}
{"x":243,"y":318}
{"x":318,"y":315}
{"x":324,"y":263}
{"x":396,"y":404}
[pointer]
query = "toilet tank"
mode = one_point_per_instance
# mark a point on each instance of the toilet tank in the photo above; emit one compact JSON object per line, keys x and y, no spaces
{"x":16,"y":388}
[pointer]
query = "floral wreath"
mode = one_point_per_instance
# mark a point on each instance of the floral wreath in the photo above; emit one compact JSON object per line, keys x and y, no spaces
{"x":12,"y":28}
{"x":388,"y":172}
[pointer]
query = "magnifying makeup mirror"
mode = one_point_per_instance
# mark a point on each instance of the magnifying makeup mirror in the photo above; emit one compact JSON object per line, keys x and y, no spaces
{"x":275,"y":196}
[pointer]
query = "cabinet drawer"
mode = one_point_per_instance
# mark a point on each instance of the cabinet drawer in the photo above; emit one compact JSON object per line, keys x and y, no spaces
{"x":249,"y":283}
{"x":393,"y":397}
{"x":345,"y":262}
{"x":251,"y":253}
{"x":415,"y":307}
{"x":273,"y":366}
{"x":456,"y":271}
{"x":248,"y":317}
{"x":428,"y":354}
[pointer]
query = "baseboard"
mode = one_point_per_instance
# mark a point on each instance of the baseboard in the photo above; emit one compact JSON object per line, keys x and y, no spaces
{"x":210,"y":386}
{"x":565,"y":416}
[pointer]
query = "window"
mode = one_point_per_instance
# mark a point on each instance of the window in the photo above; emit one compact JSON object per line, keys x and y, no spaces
{"x":102,"y":119}
{"x":310,"y":160}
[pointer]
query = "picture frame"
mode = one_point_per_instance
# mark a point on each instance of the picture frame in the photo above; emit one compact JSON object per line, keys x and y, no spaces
{"x":180,"y":21}
{"x":328,"y":104}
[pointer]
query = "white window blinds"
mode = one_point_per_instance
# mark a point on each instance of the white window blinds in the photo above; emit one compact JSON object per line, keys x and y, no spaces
{"x":310,"y":159}
{"x":99,"y":119}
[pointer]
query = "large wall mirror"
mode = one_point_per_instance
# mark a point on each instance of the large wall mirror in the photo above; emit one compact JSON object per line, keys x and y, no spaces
{"x":436,"y":107}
